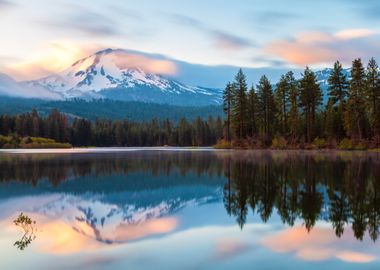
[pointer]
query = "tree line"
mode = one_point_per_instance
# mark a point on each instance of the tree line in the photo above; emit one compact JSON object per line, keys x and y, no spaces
{"x":104,"y":132}
{"x":292,"y":112}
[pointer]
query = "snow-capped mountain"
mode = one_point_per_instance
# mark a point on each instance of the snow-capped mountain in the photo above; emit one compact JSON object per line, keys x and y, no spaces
{"x":9,"y":87}
{"x":126,"y":75}
{"x":110,"y":74}
{"x":323,"y":76}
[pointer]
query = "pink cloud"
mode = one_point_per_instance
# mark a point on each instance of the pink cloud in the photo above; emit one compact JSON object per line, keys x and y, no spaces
{"x":126,"y":60}
{"x":320,"y":47}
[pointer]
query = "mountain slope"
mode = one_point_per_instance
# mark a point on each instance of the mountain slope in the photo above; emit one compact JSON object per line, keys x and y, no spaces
{"x":114,"y":74}
{"x":322,"y":78}
{"x":9,"y":87}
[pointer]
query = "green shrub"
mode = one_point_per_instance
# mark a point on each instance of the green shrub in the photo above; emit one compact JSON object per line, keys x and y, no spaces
{"x":360,"y":146}
{"x":223,"y":144}
{"x":4,"y":140}
{"x":346,"y":144}
{"x":319,"y":143}
{"x":46,"y":145}
{"x":279,"y":143}
{"x":42,"y":140}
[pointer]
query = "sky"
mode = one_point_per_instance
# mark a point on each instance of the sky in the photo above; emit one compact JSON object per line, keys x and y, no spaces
{"x":43,"y":36}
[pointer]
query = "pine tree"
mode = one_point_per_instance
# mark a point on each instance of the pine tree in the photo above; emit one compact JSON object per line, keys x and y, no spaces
{"x":373,"y":95}
{"x":282,"y":102}
{"x":338,"y":92}
{"x":331,"y":122}
{"x":311,"y":98}
{"x":227,"y":106}
{"x":239,"y":109}
{"x":294,"y":119}
{"x":252,"y":112}
{"x":355,"y":116}
{"x":266,"y":108}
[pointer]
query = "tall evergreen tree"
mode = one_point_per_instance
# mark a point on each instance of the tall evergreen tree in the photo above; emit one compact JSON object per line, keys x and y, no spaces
{"x":282,"y":102}
{"x":338,"y":92}
{"x":311,"y":98}
{"x":355,"y":116}
{"x":266,"y":108}
{"x":227,"y":106}
{"x":373,"y":95}
{"x":252,"y":112}
{"x":294,"y":119}
{"x":239,"y":109}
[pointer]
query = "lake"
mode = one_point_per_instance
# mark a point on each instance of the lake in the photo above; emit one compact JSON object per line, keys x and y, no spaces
{"x":189,"y":209}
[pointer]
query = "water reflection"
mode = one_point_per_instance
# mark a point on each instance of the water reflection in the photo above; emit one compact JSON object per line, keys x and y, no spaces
{"x":226,"y":206}
{"x":339,"y":188}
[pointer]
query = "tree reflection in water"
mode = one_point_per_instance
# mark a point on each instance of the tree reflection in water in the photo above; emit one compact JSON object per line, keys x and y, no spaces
{"x":28,"y":227}
{"x":341,"y":188}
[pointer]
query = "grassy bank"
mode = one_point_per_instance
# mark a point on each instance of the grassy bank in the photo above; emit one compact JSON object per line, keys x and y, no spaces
{"x":7,"y":142}
{"x":280,"y":143}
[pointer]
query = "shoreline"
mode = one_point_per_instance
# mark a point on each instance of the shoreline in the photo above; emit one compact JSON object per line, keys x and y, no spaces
{"x":98,"y":150}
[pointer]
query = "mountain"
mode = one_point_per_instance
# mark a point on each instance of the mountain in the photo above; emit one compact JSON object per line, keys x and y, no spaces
{"x":322,"y":78}
{"x":125,"y":75}
{"x":9,"y":87}
{"x":109,"y":74}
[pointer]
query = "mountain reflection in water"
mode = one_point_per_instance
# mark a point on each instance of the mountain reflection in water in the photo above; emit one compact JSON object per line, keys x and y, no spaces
{"x":341,"y":188}
{"x":96,"y":201}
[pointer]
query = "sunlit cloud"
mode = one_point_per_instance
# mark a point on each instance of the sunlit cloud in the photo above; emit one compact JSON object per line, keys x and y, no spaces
{"x":60,"y":55}
{"x":354,"y":33}
{"x":52,"y":58}
{"x":319,"y":245}
{"x":157,"y":66}
{"x":324,"y":48}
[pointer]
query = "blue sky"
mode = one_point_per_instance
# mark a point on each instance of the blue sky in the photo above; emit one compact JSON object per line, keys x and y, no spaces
{"x":43,"y":36}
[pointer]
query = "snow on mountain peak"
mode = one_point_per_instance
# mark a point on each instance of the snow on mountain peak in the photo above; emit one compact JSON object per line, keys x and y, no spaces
{"x":115,"y":69}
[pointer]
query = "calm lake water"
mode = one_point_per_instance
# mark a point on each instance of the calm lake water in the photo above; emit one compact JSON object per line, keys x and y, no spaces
{"x":157,"y":209}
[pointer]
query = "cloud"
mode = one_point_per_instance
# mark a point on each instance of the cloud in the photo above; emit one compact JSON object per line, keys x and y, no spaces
{"x":354,"y":33}
{"x":156,"y":66}
{"x":367,"y":10}
{"x":83,"y":20}
{"x":323,"y":48}
{"x":221,"y":39}
{"x":4,"y":5}
{"x":319,"y":245}
{"x":274,"y":17}
{"x":50,"y":58}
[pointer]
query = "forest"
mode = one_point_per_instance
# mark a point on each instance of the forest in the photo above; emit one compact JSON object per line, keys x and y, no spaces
{"x":291,"y":114}
{"x":28,"y":129}
{"x":287,"y":115}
